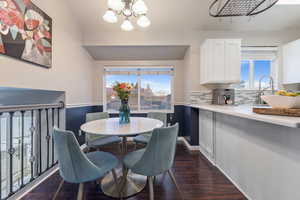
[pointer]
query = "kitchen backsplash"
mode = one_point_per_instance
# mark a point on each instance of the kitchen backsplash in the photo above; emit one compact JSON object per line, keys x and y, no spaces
{"x":242,"y":97}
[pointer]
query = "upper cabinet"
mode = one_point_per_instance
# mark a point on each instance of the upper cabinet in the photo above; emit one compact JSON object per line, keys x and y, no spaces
{"x":291,"y":62}
{"x":220,"y":61}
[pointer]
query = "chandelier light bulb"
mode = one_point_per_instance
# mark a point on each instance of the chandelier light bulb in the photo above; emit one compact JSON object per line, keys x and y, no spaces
{"x":110,"y":17}
{"x":116,"y":4}
{"x":143,"y":21}
{"x":127,"y":12}
{"x":127,"y":25}
{"x":139,"y":7}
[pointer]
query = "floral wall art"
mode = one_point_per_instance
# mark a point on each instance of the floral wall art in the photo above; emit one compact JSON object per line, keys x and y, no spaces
{"x":25,"y":32}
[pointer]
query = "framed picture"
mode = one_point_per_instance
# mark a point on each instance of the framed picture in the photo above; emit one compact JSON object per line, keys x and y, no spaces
{"x":25,"y":32}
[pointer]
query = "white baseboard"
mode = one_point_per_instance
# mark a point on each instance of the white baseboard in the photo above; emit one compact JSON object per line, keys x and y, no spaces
{"x":213,"y":162}
{"x":20,"y":194}
{"x":206,"y":155}
{"x":234,"y":183}
{"x":187,"y":145}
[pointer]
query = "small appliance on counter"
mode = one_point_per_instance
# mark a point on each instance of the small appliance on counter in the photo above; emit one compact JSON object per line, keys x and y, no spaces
{"x":223,"y":97}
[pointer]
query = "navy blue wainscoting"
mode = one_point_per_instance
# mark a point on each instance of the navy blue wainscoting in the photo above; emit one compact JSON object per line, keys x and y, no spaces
{"x":191,"y":125}
{"x":186,"y":116}
{"x":75,"y":117}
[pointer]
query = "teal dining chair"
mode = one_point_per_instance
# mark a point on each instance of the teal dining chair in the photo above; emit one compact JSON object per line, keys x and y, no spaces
{"x":157,"y":158}
{"x":96,"y":141}
{"x":77,"y":167}
{"x":144,"y":138}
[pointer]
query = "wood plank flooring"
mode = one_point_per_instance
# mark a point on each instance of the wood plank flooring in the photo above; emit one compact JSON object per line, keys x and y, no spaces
{"x":197,"y":179}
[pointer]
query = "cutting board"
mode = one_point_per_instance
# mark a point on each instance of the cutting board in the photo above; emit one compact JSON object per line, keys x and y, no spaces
{"x":278,"y":111}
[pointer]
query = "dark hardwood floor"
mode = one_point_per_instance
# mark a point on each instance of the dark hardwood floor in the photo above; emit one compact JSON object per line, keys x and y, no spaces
{"x":197,"y":179}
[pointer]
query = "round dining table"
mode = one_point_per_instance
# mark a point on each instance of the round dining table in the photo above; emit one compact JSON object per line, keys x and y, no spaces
{"x":129,"y":184}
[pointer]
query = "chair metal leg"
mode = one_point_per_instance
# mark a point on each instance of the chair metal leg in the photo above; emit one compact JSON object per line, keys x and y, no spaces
{"x":175,"y":182}
{"x":135,"y":145}
{"x":154,"y":179}
{"x":58,"y":190}
{"x":80,"y":191}
{"x":113,"y":171}
{"x":151,"y":192}
{"x":120,"y":147}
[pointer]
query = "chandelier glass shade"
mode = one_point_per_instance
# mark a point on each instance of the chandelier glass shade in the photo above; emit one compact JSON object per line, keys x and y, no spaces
{"x":127,"y":9}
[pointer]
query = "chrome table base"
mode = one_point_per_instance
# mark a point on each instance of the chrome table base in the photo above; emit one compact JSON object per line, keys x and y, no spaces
{"x":129,"y":185}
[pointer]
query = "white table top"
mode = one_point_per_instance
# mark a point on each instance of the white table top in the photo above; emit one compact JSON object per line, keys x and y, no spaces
{"x":111,"y":126}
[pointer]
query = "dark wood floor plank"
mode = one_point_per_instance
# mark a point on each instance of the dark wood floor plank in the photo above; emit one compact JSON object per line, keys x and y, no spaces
{"x":197,"y":179}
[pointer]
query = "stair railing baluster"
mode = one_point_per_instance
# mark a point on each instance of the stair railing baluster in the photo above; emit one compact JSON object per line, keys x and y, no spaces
{"x":36,"y":124}
{"x":47,"y":136}
{"x":22,"y":148}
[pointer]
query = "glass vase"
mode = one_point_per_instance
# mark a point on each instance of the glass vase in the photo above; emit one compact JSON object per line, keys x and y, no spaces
{"x":124,"y":112}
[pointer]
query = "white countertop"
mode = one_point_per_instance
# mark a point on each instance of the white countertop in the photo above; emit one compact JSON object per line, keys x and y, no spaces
{"x":246,"y":112}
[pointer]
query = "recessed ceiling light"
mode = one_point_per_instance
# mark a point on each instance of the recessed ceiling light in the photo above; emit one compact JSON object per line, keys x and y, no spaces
{"x":288,"y":2}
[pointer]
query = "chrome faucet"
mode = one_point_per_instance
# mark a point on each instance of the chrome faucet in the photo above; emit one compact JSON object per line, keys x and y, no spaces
{"x":261,"y":90}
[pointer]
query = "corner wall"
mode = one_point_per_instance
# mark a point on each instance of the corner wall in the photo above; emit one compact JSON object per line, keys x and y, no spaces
{"x":72,"y":69}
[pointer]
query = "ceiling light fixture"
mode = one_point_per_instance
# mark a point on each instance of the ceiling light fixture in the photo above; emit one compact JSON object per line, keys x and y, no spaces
{"x":235,"y":8}
{"x":127,"y":9}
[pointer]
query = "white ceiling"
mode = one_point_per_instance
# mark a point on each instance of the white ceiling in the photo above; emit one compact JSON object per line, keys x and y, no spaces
{"x":173,"y":15}
{"x":137,"y":52}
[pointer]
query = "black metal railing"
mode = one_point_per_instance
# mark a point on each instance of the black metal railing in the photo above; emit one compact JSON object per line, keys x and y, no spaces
{"x":26,"y":144}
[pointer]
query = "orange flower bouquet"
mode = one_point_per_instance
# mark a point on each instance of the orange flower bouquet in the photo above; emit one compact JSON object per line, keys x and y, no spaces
{"x":123,"y":91}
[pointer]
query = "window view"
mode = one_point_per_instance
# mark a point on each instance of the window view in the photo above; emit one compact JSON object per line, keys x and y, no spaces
{"x":261,"y":68}
{"x":245,"y":74}
{"x":156,"y":92}
{"x":112,"y":101}
{"x":252,"y":71}
{"x":17,"y":156}
{"x":152,"y":88}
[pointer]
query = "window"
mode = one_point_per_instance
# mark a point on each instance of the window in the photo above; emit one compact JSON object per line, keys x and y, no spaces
{"x":256,"y":64}
{"x":152,"y":88}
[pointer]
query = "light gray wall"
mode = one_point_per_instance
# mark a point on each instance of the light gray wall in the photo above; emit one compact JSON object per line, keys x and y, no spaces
{"x":72,"y":69}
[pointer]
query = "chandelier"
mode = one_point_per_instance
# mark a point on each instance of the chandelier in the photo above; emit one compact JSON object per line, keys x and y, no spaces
{"x":234,"y":8}
{"x":127,"y":9}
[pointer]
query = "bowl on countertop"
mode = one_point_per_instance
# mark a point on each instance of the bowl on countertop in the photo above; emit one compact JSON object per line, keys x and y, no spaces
{"x":278,"y":101}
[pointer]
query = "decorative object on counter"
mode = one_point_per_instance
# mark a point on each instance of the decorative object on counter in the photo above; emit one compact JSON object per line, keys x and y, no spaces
{"x":236,"y":8}
{"x":223,"y":97}
{"x":277,"y":111}
{"x":242,"y":97}
{"x":26,"y":32}
{"x":279,"y":101}
{"x":127,"y":9}
{"x":123,"y":91}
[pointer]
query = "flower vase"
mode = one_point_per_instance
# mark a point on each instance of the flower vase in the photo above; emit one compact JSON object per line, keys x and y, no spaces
{"x":124,"y":112}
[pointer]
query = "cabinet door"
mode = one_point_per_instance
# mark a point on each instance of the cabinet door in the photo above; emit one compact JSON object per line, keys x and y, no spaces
{"x":206,"y":132}
{"x":203,"y":64}
{"x":232,"y":61}
{"x":291,"y":62}
{"x":217,"y":70}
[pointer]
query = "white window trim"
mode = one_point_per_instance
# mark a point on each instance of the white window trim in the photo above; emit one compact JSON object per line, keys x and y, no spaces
{"x":263,"y":55}
{"x":139,"y":111}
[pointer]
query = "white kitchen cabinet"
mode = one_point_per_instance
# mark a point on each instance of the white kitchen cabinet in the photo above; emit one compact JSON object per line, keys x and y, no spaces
{"x":291,"y":62}
{"x":220,"y":61}
{"x":207,"y":134}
